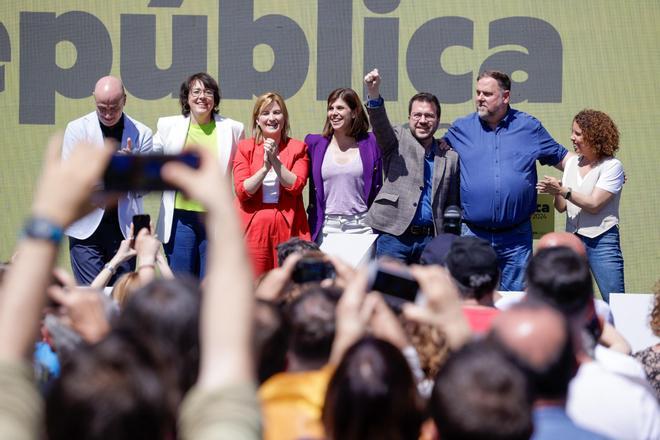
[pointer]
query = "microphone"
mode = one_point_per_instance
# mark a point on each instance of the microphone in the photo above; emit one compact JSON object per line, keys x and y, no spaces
{"x":451,"y":220}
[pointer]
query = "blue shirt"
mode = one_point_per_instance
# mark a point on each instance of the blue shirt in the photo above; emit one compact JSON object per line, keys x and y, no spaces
{"x":552,"y":423}
{"x":498,"y":167}
{"x":424,"y":213}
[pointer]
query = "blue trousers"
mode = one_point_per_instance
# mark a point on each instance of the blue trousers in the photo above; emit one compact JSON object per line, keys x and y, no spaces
{"x":405,"y":247}
{"x":186,"y":249}
{"x":513,"y":248}
{"x":88,"y":256}
{"x":606,"y":261}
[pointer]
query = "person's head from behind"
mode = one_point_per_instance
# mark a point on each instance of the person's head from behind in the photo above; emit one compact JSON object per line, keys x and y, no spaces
{"x":372,"y":395}
{"x":595,"y":134}
{"x":311,"y":324}
{"x":111,"y":390}
{"x":271,"y":337}
{"x":345,"y":114}
{"x":562,"y":238}
{"x":539,"y":340}
{"x":437,"y":250}
{"x":292,"y":245}
{"x":124,"y":287}
{"x":164,"y":315}
{"x":561,"y":277}
{"x":472,"y":263}
{"x":270,"y":118}
{"x":423,"y":116}
{"x":479,"y":393}
{"x":492,"y":96}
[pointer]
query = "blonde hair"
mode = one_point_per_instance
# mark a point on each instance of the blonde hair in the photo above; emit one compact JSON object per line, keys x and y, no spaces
{"x":124,"y":288}
{"x":262,"y":102}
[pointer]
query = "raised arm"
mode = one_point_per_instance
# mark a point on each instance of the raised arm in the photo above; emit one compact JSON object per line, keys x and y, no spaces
{"x":62,"y":196}
{"x":226,"y":375}
{"x":382,"y":128}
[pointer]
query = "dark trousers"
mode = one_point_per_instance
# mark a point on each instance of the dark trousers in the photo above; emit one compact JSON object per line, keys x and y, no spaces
{"x":186,"y":249}
{"x":88,"y":256}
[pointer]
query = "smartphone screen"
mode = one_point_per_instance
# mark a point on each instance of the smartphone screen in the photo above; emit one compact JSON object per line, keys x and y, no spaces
{"x":312,"y":269}
{"x":141,"y":221}
{"x":128,"y":172}
{"x":393,"y":282}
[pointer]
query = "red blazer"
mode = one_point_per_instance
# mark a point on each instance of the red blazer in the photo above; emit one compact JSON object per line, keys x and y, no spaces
{"x":249,"y":158}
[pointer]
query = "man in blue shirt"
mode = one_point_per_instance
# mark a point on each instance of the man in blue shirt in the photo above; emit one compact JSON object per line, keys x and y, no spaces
{"x":421,"y":179}
{"x":498,"y":148}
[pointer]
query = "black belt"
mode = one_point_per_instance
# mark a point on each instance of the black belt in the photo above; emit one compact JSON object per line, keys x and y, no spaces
{"x":419,"y":230}
{"x":495,"y":230}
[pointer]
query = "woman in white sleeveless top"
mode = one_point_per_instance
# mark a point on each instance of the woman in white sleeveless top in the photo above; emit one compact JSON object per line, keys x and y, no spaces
{"x":589,"y":193}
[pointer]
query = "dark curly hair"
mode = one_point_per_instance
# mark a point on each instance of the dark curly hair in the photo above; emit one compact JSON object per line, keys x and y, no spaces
{"x":655,"y":313}
{"x":599,"y":132}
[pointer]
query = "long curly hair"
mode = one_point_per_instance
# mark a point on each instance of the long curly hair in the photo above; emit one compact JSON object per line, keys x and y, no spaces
{"x":655,"y":313}
{"x":599,"y":131}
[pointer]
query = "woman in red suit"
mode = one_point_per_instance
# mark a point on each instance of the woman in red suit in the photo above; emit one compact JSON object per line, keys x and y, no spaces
{"x":270,"y":172}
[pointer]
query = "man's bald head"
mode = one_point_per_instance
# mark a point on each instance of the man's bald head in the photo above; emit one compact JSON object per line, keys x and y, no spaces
{"x":110,"y":99}
{"x":556,"y":239}
{"x":538,"y":337}
{"x":531,"y":334}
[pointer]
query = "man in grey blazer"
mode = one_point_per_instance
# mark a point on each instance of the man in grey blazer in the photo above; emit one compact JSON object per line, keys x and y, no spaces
{"x":95,"y":238}
{"x":421,"y":179}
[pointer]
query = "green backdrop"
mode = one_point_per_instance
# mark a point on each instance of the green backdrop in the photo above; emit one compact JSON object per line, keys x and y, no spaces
{"x":564,"y":55}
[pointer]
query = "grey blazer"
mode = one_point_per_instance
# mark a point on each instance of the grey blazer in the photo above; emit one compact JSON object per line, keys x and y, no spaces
{"x":403,"y":164}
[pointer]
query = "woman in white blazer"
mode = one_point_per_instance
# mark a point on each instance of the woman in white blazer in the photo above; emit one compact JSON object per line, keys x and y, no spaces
{"x":179,"y":222}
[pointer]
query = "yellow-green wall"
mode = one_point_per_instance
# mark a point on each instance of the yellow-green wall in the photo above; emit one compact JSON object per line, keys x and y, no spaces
{"x":609,"y":60}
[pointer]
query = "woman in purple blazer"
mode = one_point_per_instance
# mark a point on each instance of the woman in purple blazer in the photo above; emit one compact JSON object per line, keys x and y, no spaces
{"x":346,"y":169}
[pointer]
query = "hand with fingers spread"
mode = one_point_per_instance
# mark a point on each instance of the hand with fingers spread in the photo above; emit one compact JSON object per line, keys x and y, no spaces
{"x":443,"y":305}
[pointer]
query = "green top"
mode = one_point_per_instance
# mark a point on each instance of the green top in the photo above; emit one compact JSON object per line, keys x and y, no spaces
{"x":205,"y":136}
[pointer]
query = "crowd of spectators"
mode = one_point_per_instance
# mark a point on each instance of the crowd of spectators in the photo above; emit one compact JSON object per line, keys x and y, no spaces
{"x":231,"y":357}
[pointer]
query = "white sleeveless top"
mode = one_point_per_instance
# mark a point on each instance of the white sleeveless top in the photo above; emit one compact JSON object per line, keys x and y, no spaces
{"x":607,"y":175}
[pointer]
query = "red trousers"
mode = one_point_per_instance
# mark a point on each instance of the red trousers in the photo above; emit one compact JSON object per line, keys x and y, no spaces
{"x":266,"y":230}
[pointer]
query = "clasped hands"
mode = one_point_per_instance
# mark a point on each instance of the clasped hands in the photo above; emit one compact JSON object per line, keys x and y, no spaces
{"x":549,"y":185}
{"x":270,"y":153}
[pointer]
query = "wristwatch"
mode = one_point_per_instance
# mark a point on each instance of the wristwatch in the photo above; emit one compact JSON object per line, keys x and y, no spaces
{"x":567,"y":196}
{"x":112,"y":269}
{"x":42,"y":229}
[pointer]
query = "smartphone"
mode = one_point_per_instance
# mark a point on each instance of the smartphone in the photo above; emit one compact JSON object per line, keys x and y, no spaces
{"x":141,"y":221}
{"x":396,"y":284}
{"x":312,"y":269}
{"x":128,"y":172}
